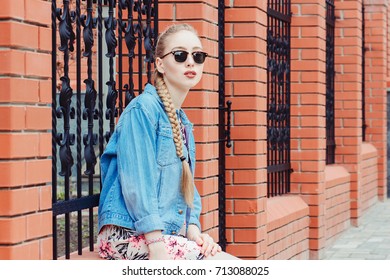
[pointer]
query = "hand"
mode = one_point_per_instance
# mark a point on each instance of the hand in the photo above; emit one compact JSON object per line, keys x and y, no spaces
{"x":208,"y":244}
{"x":157,"y":251}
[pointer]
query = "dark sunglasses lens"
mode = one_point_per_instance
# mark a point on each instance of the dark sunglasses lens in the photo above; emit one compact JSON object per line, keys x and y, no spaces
{"x":180,"y":56}
{"x":199,"y":57}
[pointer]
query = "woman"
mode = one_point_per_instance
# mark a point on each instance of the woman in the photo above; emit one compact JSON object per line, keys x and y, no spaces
{"x":149,"y":207}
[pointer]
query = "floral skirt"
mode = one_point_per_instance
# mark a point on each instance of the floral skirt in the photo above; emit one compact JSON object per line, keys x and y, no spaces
{"x":118,"y":243}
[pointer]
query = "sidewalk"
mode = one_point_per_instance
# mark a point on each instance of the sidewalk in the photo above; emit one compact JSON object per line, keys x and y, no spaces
{"x":369,"y":241}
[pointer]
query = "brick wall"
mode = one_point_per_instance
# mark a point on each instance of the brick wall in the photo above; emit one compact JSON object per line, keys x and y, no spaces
{"x":246,"y":163}
{"x":308,"y":113}
{"x":201,"y":105}
{"x":25,"y":172}
{"x":337,"y":205}
{"x":376,"y":75}
{"x":291,"y":226}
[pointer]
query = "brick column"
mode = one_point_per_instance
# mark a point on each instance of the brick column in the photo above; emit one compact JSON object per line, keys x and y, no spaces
{"x":348,"y":97}
{"x":246,"y":87}
{"x":25,"y":124}
{"x":308,"y":87}
{"x":201,"y":104}
{"x":376,"y":75}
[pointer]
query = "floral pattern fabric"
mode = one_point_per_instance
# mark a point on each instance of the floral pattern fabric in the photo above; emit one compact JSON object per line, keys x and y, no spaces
{"x":118,"y":243}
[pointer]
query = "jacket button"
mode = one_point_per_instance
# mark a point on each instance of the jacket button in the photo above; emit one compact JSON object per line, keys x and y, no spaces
{"x":180,"y":212}
{"x":173,"y":232}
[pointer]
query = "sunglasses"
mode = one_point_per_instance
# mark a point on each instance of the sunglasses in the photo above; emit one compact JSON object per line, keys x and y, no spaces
{"x":181,"y":56}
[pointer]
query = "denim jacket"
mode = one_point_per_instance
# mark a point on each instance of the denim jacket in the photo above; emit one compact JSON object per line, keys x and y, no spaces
{"x":141,"y":173}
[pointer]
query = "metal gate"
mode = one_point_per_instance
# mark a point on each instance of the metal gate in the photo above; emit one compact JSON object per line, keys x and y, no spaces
{"x":91,"y":84}
{"x":278,"y":97}
{"x":330,"y":74}
{"x":102,"y":56}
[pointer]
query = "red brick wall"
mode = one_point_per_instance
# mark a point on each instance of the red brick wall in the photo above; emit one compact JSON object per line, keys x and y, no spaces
{"x":201,"y":104}
{"x":288,"y":228}
{"x":25,"y":172}
{"x":376,"y":111}
{"x":369,"y":176}
{"x":246,"y":78}
{"x":257,"y":228}
{"x":308,"y":113}
{"x":337,"y":205}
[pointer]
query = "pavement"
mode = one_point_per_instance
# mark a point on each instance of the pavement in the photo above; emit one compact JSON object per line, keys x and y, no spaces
{"x":369,"y":241}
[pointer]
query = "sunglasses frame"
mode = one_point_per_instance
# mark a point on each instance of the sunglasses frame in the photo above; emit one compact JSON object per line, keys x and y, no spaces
{"x":187,"y":53}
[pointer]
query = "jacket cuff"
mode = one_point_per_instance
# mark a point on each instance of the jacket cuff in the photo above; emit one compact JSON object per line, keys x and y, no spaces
{"x":195,"y":221}
{"x":148,"y":224}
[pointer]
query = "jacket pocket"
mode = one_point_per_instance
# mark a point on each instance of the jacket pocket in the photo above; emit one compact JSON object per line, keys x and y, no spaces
{"x":166,"y":151}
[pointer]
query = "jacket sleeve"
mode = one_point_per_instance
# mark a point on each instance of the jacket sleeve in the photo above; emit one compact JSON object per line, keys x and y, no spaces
{"x":138,"y":170}
{"x":195,"y":212}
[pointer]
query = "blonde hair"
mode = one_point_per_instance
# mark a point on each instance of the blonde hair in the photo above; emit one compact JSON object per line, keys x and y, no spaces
{"x":187,"y":180}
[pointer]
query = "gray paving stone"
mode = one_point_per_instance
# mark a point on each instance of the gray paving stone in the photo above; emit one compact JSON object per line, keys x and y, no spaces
{"x":369,"y":241}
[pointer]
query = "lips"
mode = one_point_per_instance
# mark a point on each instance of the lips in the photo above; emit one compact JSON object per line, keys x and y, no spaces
{"x":190,"y":74}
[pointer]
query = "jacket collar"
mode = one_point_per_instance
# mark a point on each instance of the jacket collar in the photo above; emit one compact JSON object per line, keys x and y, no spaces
{"x":149,"y":88}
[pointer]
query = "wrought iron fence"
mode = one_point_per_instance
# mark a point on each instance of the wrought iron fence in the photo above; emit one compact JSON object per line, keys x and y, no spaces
{"x":278,"y":97}
{"x":330,"y":74}
{"x":80,"y":130}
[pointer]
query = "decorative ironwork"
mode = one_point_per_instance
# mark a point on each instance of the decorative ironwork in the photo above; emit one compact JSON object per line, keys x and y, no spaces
{"x":147,"y":10}
{"x":89,"y":113}
{"x":65,"y":111}
{"x":130,"y":40}
{"x":81,"y":132}
{"x":278,"y":97}
{"x":138,"y":31}
{"x":330,"y":74}
{"x":112,"y":111}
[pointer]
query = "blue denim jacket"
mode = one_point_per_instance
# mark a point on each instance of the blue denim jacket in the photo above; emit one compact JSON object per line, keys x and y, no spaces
{"x":141,"y":173}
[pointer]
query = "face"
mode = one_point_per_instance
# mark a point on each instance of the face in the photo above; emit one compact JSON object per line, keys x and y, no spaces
{"x":181,"y":76}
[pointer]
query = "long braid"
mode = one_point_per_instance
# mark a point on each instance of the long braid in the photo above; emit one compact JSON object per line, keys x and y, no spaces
{"x":187,"y":184}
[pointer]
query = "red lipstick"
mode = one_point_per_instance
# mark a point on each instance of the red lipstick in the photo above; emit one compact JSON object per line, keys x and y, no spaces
{"x":190,"y":74}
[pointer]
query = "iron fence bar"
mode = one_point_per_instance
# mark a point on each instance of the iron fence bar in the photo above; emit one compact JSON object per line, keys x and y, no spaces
{"x":90,"y":114}
{"x":78,"y":119}
{"x":112,"y":94}
{"x":222,"y":153}
{"x":100,"y":77}
{"x":120,"y":51}
{"x":364,"y":125}
{"x":155,"y":31}
{"x":65,"y":111}
{"x":77,"y":204}
{"x":54,"y":118}
{"x":148,"y":39}
{"x":130,"y":40}
{"x":138,"y":7}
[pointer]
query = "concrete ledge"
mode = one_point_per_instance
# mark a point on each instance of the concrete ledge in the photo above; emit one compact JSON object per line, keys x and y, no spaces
{"x":336,"y":175}
{"x":368,"y":151}
{"x":86,"y":255}
{"x":282,"y":210}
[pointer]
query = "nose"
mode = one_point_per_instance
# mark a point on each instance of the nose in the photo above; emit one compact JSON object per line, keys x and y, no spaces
{"x":190,"y":60}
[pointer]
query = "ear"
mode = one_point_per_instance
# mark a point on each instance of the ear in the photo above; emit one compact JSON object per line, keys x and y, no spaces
{"x":160,"y":65}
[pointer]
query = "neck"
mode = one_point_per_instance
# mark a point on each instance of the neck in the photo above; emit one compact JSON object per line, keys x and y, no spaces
{"x":178,"y":95}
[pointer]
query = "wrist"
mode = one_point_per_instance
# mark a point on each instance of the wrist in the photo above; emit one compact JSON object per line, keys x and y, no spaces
{"x":156,"y":247}
{"x":192,"y":232}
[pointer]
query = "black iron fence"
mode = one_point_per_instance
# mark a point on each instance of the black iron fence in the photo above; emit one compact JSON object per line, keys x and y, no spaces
{"x":330,"y":74}
{"x":278,"y":97}
{"x":90,"y":87}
